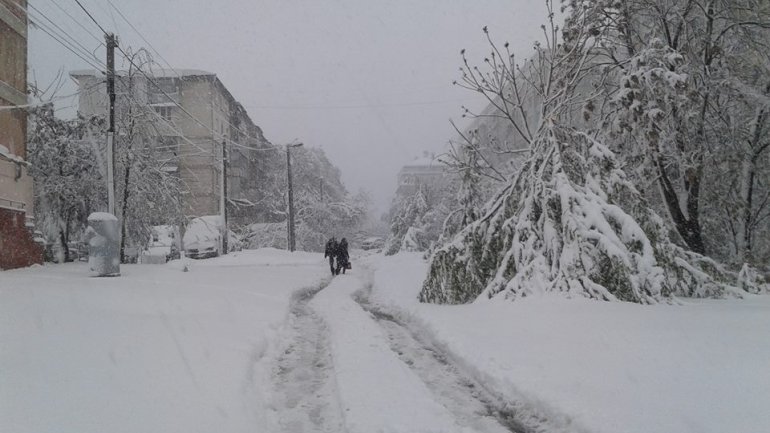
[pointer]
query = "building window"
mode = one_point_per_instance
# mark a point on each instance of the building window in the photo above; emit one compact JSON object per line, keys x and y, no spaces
{"x":163,"y":91}
{"x":168,"y":145}
{"x":164,"y":112}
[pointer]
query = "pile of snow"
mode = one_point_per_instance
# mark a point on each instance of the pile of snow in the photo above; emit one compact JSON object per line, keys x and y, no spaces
{"x":604,"y":367}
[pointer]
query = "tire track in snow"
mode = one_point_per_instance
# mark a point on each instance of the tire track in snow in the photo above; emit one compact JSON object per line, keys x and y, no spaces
{"x":474,"y":406}
{"x":305,"y":389}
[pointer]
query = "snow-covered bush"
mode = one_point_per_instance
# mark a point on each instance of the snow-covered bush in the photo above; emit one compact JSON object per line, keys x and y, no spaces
{"x":417,"y":220}
{"x":570,"y":222}
{"x":750,"y":280}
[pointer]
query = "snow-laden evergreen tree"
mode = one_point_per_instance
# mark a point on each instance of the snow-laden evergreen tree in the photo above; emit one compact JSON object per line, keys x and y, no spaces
{"x":570,"y":221}
{"x":418,"y":220}
{"x":407,"y":219}
{"x":466,"y":161}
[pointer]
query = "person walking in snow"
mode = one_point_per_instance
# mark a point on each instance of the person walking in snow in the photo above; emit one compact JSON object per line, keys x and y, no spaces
{"x":331,"y":253}
{"x":343,"y":259}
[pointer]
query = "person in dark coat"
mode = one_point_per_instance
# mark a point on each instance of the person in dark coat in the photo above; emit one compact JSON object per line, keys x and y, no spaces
{"x":342,"y":256}
{"x":331,"y":252}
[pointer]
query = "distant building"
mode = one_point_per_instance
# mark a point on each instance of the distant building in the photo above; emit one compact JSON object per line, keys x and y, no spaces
{"x":17,"y":248}
{"x":218,"y":118}
{"x":425,"y":172}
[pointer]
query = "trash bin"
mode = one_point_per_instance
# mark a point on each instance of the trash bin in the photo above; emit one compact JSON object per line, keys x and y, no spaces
{"x":103,"y":239}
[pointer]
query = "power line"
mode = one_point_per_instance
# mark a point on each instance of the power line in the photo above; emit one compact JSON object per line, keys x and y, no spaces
{"x":141,"y":35}
{"x":77,"y":22}
{"x":69,"y":46}
{"x":53,"y":99}
{"x":174,"y":70}
{"x":64,"y":32}
{"x":361,"y":106}
{"x":155,"y":83}
{"x":91,"y":16}
{"x":65,"y":45}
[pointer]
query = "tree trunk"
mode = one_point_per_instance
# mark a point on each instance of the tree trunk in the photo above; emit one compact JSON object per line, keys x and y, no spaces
{"x":748,"y":172}
{"x":123,"y":211}
{"x":63,"y":241}
{"x":688,"y":226}
{"x":747,"y":191}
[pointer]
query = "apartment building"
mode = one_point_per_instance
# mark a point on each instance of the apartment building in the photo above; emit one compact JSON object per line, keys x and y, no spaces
{"x":424,"y":172}
{"x":17,"y":248}
{"x":196,"y":115}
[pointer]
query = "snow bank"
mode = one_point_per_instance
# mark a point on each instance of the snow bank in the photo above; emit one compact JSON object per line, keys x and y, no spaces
{"x":155,"y":350}
{"x":606,"y":367}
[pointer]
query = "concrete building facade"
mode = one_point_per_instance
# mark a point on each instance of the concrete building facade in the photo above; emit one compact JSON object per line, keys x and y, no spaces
{"x":17,"y":248}
{"x":425,"y":172}
{"x":192,"y":136}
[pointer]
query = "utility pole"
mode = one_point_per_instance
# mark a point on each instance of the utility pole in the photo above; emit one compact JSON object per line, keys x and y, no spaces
{"x":223,"y":196}
{"x":111,"y":42}
{"x":290,"y":221}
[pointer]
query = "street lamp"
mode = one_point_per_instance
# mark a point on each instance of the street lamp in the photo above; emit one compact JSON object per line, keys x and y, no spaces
{"x":290,"y":221}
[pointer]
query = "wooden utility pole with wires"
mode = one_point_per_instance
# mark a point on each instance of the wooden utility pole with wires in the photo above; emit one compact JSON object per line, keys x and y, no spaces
{"x":111,"y":42}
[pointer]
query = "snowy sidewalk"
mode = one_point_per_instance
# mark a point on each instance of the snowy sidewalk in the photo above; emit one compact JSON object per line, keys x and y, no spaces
{"x":378,"y":392}
{"x":703,"y":366}
{"x":155,"y":350}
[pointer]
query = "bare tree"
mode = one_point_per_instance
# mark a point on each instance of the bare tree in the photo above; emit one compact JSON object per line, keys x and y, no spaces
{"x":570,"y":220}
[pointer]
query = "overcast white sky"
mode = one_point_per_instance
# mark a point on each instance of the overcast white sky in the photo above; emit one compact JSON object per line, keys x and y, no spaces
{"x":368,"y":81}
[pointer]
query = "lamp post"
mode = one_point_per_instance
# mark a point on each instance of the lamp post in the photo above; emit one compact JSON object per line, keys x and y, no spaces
{"x":290,"y":221}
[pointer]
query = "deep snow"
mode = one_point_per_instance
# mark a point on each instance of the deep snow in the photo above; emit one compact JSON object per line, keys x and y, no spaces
{"x":155,"y":350}
{"x":379,"y":393}
{"x":702,"y":366}
{"x":247,"y":343}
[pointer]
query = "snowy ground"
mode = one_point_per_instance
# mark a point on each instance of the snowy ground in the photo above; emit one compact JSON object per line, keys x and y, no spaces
{"x":155,"y":350}
{"x":267,"y":341}
{"x":703,"y":366}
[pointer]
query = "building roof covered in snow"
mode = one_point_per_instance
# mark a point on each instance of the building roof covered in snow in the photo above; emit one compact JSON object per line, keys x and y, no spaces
{"x":156,"y":72}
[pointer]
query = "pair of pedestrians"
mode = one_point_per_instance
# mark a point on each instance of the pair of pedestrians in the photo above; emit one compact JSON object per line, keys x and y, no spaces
{"x":337,"y":251}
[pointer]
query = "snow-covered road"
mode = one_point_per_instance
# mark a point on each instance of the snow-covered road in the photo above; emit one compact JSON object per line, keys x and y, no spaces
{"x":266,"y":341}
{"x":385,"y":379}
{"x":255,"y":341}
{"x":305,"y":395}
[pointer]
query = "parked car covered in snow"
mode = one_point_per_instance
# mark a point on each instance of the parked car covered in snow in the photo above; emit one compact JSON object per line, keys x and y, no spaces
{"x":203,"y":237}
{"x":372,"y":243}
